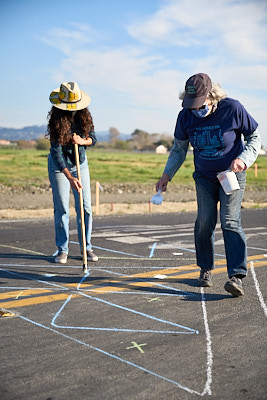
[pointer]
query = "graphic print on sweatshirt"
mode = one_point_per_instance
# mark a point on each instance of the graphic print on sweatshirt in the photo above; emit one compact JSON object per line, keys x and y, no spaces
{"x":208,"y":142}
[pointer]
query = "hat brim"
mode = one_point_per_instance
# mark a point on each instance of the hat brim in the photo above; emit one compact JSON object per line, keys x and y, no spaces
{"x":62,"y":105}
{"x":193,"y":102}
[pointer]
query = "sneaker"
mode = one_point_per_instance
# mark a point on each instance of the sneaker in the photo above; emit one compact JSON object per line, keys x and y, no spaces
{"x":234,"y":286}
{"x":205,"y":278}
{"x":61,"y":258}
{"x":91,"y":256}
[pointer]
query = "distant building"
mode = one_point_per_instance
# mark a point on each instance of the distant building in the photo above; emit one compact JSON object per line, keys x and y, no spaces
{"x":161,"y":149}
{"x":4,"y":142}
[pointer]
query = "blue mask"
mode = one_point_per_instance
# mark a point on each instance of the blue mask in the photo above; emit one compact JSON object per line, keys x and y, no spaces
{"x":202,"y":112}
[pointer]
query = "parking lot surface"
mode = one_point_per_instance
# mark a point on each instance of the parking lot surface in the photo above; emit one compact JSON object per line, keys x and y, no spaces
{"x":136,"y":326}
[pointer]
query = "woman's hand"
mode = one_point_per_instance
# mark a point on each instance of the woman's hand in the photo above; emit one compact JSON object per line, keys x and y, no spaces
{"x":238,"y":165}
{"x":162,"y":183}
{"x":77,"y":139}
{"x":74,"y":182}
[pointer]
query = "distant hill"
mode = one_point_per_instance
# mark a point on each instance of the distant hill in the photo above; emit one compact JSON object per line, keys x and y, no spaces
{"x":35,"y":132}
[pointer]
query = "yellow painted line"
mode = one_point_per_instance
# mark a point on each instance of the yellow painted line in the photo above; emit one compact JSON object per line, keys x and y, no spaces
{"x":170,"y":273}
{"x":101,"y":286}
{"x":36,"y":300}
{"x":22,"y":293}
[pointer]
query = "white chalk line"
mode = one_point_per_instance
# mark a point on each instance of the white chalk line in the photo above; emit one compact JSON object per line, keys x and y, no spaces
{"x":258,"y":290}
{"x":207,"y":385}
{"x":207,"y":388}
{"x":53,"y":323}
{"x":185,"y":388}
{"x":108,"y":354}
{"x":78,"y":291}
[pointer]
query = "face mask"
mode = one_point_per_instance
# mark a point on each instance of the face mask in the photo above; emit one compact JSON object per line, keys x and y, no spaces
{"x":202,"y":112}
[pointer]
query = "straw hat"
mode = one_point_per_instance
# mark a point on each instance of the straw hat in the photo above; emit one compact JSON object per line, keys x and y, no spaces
{"x":69,"y":97}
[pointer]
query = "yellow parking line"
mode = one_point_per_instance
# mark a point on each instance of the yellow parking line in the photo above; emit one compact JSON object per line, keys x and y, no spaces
{"x":35,"y":296}
{"x":35,"y":300}
{"x":22,"y":293}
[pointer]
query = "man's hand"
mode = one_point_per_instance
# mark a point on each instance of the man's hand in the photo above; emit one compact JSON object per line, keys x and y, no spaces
{"x":238,"y":165}
{"x":162,"y":183}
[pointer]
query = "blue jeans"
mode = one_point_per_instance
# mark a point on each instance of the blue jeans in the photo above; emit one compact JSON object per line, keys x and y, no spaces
{"x":61,"y":195}
{"x":209,"y":193}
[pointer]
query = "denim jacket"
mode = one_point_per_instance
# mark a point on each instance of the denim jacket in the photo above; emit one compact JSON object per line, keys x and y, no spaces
{"x":64,"y":156}
{"x":180,"y":147}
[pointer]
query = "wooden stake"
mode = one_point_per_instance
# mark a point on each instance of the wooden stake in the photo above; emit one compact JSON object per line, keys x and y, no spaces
{"x":97,"y":198}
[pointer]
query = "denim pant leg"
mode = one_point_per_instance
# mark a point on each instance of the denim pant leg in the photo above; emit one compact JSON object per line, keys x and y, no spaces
{"x":88,"y":215}
{"x":61,"y":192}
{"x":207,"y":199}
{"x":234,"y":236}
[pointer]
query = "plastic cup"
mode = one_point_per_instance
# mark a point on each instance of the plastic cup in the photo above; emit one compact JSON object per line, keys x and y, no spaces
{"x":157,"y":198}
{"x":228,"y":181}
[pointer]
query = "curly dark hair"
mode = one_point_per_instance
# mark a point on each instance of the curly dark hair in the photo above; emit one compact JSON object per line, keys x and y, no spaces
{"x":60,"y":121}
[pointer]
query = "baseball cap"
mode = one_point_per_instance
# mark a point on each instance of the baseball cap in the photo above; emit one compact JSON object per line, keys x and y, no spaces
{"x":196,"y":89}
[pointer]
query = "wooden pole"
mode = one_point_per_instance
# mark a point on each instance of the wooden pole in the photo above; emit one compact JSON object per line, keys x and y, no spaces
{"x":81,"y":209}
{"x":256,"y":170}
{"x":97,"y":198}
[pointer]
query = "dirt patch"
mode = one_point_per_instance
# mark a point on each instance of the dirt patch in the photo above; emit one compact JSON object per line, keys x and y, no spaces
{"x":31,"y":202}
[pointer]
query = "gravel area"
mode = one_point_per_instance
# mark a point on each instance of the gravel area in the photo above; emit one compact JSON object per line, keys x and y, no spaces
{"x":118,"y":198}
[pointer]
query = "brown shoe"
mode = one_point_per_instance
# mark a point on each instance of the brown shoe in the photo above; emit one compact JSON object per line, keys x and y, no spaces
{"x":205,"y":278}
{"x":234,"y":286}
{"x":91,"y":256}
{"x":61,"y":258}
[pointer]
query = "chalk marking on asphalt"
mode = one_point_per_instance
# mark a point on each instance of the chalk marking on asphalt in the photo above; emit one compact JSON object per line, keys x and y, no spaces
{"x":187,"y":389}
{"x":207,"y":388}
{"x":113,"y":251}
{"x":186,"y":249}
{"x":159,"y":276}
{"x":172,"y":273}
{"x":187,"y":329}
{"x":18,"y":295}
{"x":181,"y":292}
{"x":137,"y":346}
{"x":257,"y":286}
{"x":152,"y":250}
{"x":99,"y":266}
{"x":256,"y":248}
{"x":154,"y":299}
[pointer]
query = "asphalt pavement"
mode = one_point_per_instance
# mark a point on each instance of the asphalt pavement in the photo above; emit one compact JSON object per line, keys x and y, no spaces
{"x":136,"y":326}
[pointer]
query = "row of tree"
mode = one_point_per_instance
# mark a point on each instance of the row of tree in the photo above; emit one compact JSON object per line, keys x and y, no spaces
{"x":139,"y":140}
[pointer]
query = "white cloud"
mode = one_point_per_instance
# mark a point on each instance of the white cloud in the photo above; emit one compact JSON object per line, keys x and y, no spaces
{"x":137,"y":86}
{"x":236,"y":27}
{"x":67,"y":39}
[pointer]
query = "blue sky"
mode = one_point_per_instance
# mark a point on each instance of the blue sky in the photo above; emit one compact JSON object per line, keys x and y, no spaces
{"x":131,"y":56}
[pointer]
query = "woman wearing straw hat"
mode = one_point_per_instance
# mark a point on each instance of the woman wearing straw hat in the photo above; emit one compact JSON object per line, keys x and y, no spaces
{"x":70,"y":123}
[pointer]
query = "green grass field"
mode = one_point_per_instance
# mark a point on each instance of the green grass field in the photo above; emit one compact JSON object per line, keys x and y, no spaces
{"x":29,"y":167}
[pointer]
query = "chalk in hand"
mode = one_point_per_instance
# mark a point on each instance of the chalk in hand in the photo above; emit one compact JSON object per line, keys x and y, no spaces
{"x":157,"y":198}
